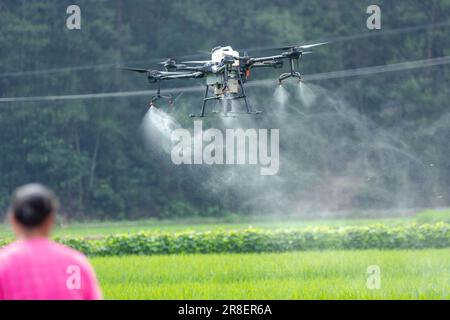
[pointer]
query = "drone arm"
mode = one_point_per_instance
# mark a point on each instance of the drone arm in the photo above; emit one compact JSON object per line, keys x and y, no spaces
{"x":221,"y":68}
{"x":174,"y":73}
{"x":269,"y":58}
{"x":268,"y":64}
{"x":193,"y":75}
{"x":187,"y":68}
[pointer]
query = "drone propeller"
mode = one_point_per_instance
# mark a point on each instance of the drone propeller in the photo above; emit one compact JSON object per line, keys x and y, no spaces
{"x":313,"y":45}
{"x":197,"y":61}
{"x":135,"y":70}
{"x":308,"y":46}
{"x":167,"y":61}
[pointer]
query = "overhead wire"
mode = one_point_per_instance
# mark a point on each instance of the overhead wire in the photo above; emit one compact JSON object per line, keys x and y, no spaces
{"x":395,"y":67}
{"x":152,"y":60}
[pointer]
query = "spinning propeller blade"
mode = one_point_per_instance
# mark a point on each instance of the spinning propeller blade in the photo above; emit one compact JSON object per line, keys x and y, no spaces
{"x":135,"y":70}
{"x":167,"y":61}
{"x":313,"y":45}
{"x":298,"y":46}
{"x":198,"y":61}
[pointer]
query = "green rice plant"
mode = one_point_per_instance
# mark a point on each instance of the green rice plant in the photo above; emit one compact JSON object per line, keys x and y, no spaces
{"x":327,"y":274}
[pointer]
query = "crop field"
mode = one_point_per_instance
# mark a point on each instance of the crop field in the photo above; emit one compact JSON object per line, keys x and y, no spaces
{"x":266,"y":259}
{"x":105,"y":228}
{"x":96,"y":229}
{"x":419,"y":274}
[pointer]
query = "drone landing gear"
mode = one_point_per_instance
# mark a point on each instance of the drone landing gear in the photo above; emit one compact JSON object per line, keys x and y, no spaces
{"x":152,"y":102}
{"x":284,"y":76}
{"x":159,"y":96}
{"x":224,"y":98}
{"x":292,"y":74}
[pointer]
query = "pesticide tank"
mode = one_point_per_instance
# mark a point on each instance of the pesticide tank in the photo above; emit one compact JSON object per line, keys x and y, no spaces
{"x":217,"y":55}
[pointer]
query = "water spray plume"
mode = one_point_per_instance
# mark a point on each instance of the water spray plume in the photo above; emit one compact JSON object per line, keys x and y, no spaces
{"x":281,"y":96}
{"x":306,"y":94}
{"x":333,"y":158}
{"x":156,"y":128}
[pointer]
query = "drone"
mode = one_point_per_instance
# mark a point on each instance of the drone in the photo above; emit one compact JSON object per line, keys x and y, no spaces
{"x":226,"y":73}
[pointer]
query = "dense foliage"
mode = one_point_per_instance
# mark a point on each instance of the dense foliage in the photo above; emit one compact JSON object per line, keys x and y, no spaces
{"x":263,"y":240}
{"x":385,"y":144}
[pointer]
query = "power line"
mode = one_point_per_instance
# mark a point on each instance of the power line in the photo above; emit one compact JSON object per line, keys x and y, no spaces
{"x":409,"y":65}
{"x":118,"y":64}
{"x":371,"y":34}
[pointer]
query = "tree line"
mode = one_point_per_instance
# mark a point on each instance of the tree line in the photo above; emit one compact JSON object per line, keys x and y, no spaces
{"x":378,"y":141}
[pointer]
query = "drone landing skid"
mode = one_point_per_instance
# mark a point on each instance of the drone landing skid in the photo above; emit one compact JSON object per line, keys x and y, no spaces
{"x":160,"y":96}
{"x":155,"y":98}
{"x":293,"y":72}
{"x":285,"y":76}
{"x":225,"y":113}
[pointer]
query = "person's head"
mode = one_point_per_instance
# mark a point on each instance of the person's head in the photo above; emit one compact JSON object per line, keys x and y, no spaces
{"x":33,"y":209}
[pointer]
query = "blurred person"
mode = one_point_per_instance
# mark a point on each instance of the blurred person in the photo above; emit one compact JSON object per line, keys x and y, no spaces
{"x":35,"y":267}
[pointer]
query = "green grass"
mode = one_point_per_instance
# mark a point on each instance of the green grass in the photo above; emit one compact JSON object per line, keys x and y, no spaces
{"x":430,"y":216}
{"x":96,"y":229}
{"x":419,"y":274}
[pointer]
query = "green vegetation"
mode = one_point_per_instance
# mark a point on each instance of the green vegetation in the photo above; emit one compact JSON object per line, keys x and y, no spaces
{"x":101,"y":229}
{"x":431,"y":216}
{"x":328,"y":273}
{"x":411,"y":236}
{"x":97,"y":229}
{"x":382,"y":145}
{"x":421,"y":274}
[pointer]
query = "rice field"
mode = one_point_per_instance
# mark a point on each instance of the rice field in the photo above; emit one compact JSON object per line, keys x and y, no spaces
{"x":328,"y":274}
{"x":419,"y":274}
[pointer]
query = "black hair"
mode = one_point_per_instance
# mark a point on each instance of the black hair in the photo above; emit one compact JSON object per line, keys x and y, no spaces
{"x":32,"y":204}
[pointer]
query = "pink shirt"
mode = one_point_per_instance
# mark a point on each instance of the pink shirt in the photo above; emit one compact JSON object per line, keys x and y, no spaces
{"x":40,"y":269}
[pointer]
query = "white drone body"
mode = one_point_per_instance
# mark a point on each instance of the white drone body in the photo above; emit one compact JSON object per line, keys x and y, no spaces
{"x":217,"y":80}
{"x":219,"y":53}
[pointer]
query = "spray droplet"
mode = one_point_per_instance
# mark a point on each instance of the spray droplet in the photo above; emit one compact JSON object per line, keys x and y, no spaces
{"x":306,"y":94}
{"x":281,"y":96}
{"x":157,"y":127}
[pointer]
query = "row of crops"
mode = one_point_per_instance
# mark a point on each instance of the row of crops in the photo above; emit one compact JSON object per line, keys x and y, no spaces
{"x":411,"y":236}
